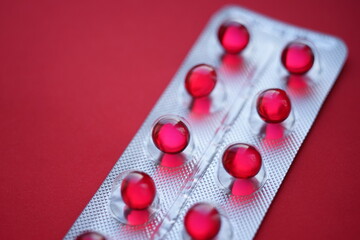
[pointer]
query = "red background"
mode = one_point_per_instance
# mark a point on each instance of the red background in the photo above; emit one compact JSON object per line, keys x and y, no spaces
{"x":77,"y":79}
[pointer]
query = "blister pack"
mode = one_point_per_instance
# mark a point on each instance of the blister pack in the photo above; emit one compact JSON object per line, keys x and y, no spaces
{"x":211,"y":155}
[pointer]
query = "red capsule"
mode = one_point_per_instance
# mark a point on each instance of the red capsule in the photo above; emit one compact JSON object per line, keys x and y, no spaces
{"x":233,"y":36}
{"x":200,"y":80}
{"x":90,"y":236}
{"x":242,"y":160}
{"x":297,"y":58}
{"x":138,"y":190}
{"x":202,"y":221}
{"x":170,"y":135}
{"x":273,"y":105}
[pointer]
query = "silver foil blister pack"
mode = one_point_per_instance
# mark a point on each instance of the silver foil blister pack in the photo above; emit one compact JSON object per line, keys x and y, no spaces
{"x":226,"y":117}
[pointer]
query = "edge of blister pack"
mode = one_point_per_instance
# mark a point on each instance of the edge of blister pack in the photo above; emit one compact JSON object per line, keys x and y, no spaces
{"x":212,"y":129}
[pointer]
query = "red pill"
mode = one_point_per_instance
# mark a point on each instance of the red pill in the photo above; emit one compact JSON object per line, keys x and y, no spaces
{"x":297,"y":58}
{"x":90,"y":236}
{"x":241,"y":160}
{"x":202,"y":221}
{"x":273,"y":105}
{"x":138,"y":190}
{"x":170,"y":135}
{"x":200,"y":80}
{"x":233,"y":36}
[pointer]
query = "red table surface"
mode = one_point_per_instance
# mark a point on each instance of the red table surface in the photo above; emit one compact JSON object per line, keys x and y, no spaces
{"x":78,"y":78}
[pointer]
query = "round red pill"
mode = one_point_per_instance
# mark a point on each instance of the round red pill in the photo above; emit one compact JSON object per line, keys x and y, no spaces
{"x":138,"y":190}
{"x":202,"y":221}
{"x":90,"y":236}
{"x":297,"y":58}
{"x":200,"y":80}
{"x":233,"y":36}
{"x":170,"y":135}
{"x":242,"y":160}
{"x":273,"y":105}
